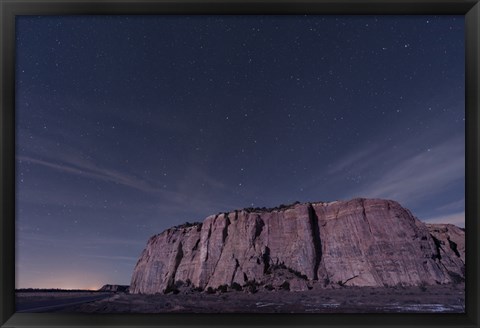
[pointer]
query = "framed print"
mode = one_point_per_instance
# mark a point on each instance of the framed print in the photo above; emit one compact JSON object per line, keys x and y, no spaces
{"x":239,"y":163}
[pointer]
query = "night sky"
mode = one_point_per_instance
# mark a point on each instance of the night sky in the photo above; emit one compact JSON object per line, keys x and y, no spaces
{"x":129,"y":125}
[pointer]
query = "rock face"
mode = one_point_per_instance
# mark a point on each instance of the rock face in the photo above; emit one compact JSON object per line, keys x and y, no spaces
{"x":450,"y":243}
{"x":361,"y":242}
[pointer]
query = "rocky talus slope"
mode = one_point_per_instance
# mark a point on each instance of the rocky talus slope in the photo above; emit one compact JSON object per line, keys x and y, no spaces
{"x":361,"y":242}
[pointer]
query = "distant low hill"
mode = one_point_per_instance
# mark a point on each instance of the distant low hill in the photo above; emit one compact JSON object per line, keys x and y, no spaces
{"x":114,"y":288}
{"x":51,"y":290}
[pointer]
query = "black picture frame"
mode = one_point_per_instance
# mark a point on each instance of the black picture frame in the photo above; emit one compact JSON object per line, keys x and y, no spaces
{"x":9,"y":9}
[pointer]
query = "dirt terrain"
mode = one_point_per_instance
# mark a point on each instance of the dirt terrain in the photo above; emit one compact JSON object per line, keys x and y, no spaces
{"x":51,"y":301}
{"x":423,"y":299}
{"x":40,"y":296}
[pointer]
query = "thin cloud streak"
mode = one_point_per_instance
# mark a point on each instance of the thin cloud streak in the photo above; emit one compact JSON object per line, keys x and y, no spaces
{"x":77,"y":162}
{"x":415,"y":178}
{"x":89,"y":170}
{"x":454,"y":218}
{"x":459,"y":204}
{"x":92,"y":171}
{"x":360,"y":159}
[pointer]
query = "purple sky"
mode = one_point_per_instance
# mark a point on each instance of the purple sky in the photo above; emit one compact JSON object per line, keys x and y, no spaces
{"x":129,"y":125}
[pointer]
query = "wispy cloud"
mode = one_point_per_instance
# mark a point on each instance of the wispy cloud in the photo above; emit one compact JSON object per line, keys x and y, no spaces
{"x":452,"y":206}
{"x":454,"y":218}
{"x":359,"y":159}
{"x":415,"y":178}
{"x":185,"y":200}
{"x":194,"y":175}
{"x":68,"y":158}
{"x":90,"y":170}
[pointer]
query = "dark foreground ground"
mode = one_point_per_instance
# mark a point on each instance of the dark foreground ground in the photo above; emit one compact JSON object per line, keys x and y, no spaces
{"x":429,"y":299}
{"x":54,"y":301}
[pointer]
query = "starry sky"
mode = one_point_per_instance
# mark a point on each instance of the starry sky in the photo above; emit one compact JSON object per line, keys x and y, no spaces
{"x":128,"y":125}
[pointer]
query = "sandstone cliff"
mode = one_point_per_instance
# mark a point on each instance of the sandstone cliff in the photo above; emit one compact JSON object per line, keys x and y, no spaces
{"x":361,"y":242}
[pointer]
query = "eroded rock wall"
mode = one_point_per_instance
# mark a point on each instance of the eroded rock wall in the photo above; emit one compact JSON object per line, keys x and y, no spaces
{"x":362,"y":242}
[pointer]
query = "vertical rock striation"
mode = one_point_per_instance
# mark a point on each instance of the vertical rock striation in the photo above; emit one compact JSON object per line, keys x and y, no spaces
{"x":361,"y":242}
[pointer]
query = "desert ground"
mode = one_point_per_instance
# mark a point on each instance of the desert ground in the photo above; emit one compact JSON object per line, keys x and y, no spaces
{"x":424,"y":299}
{"x":53,"y":301}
